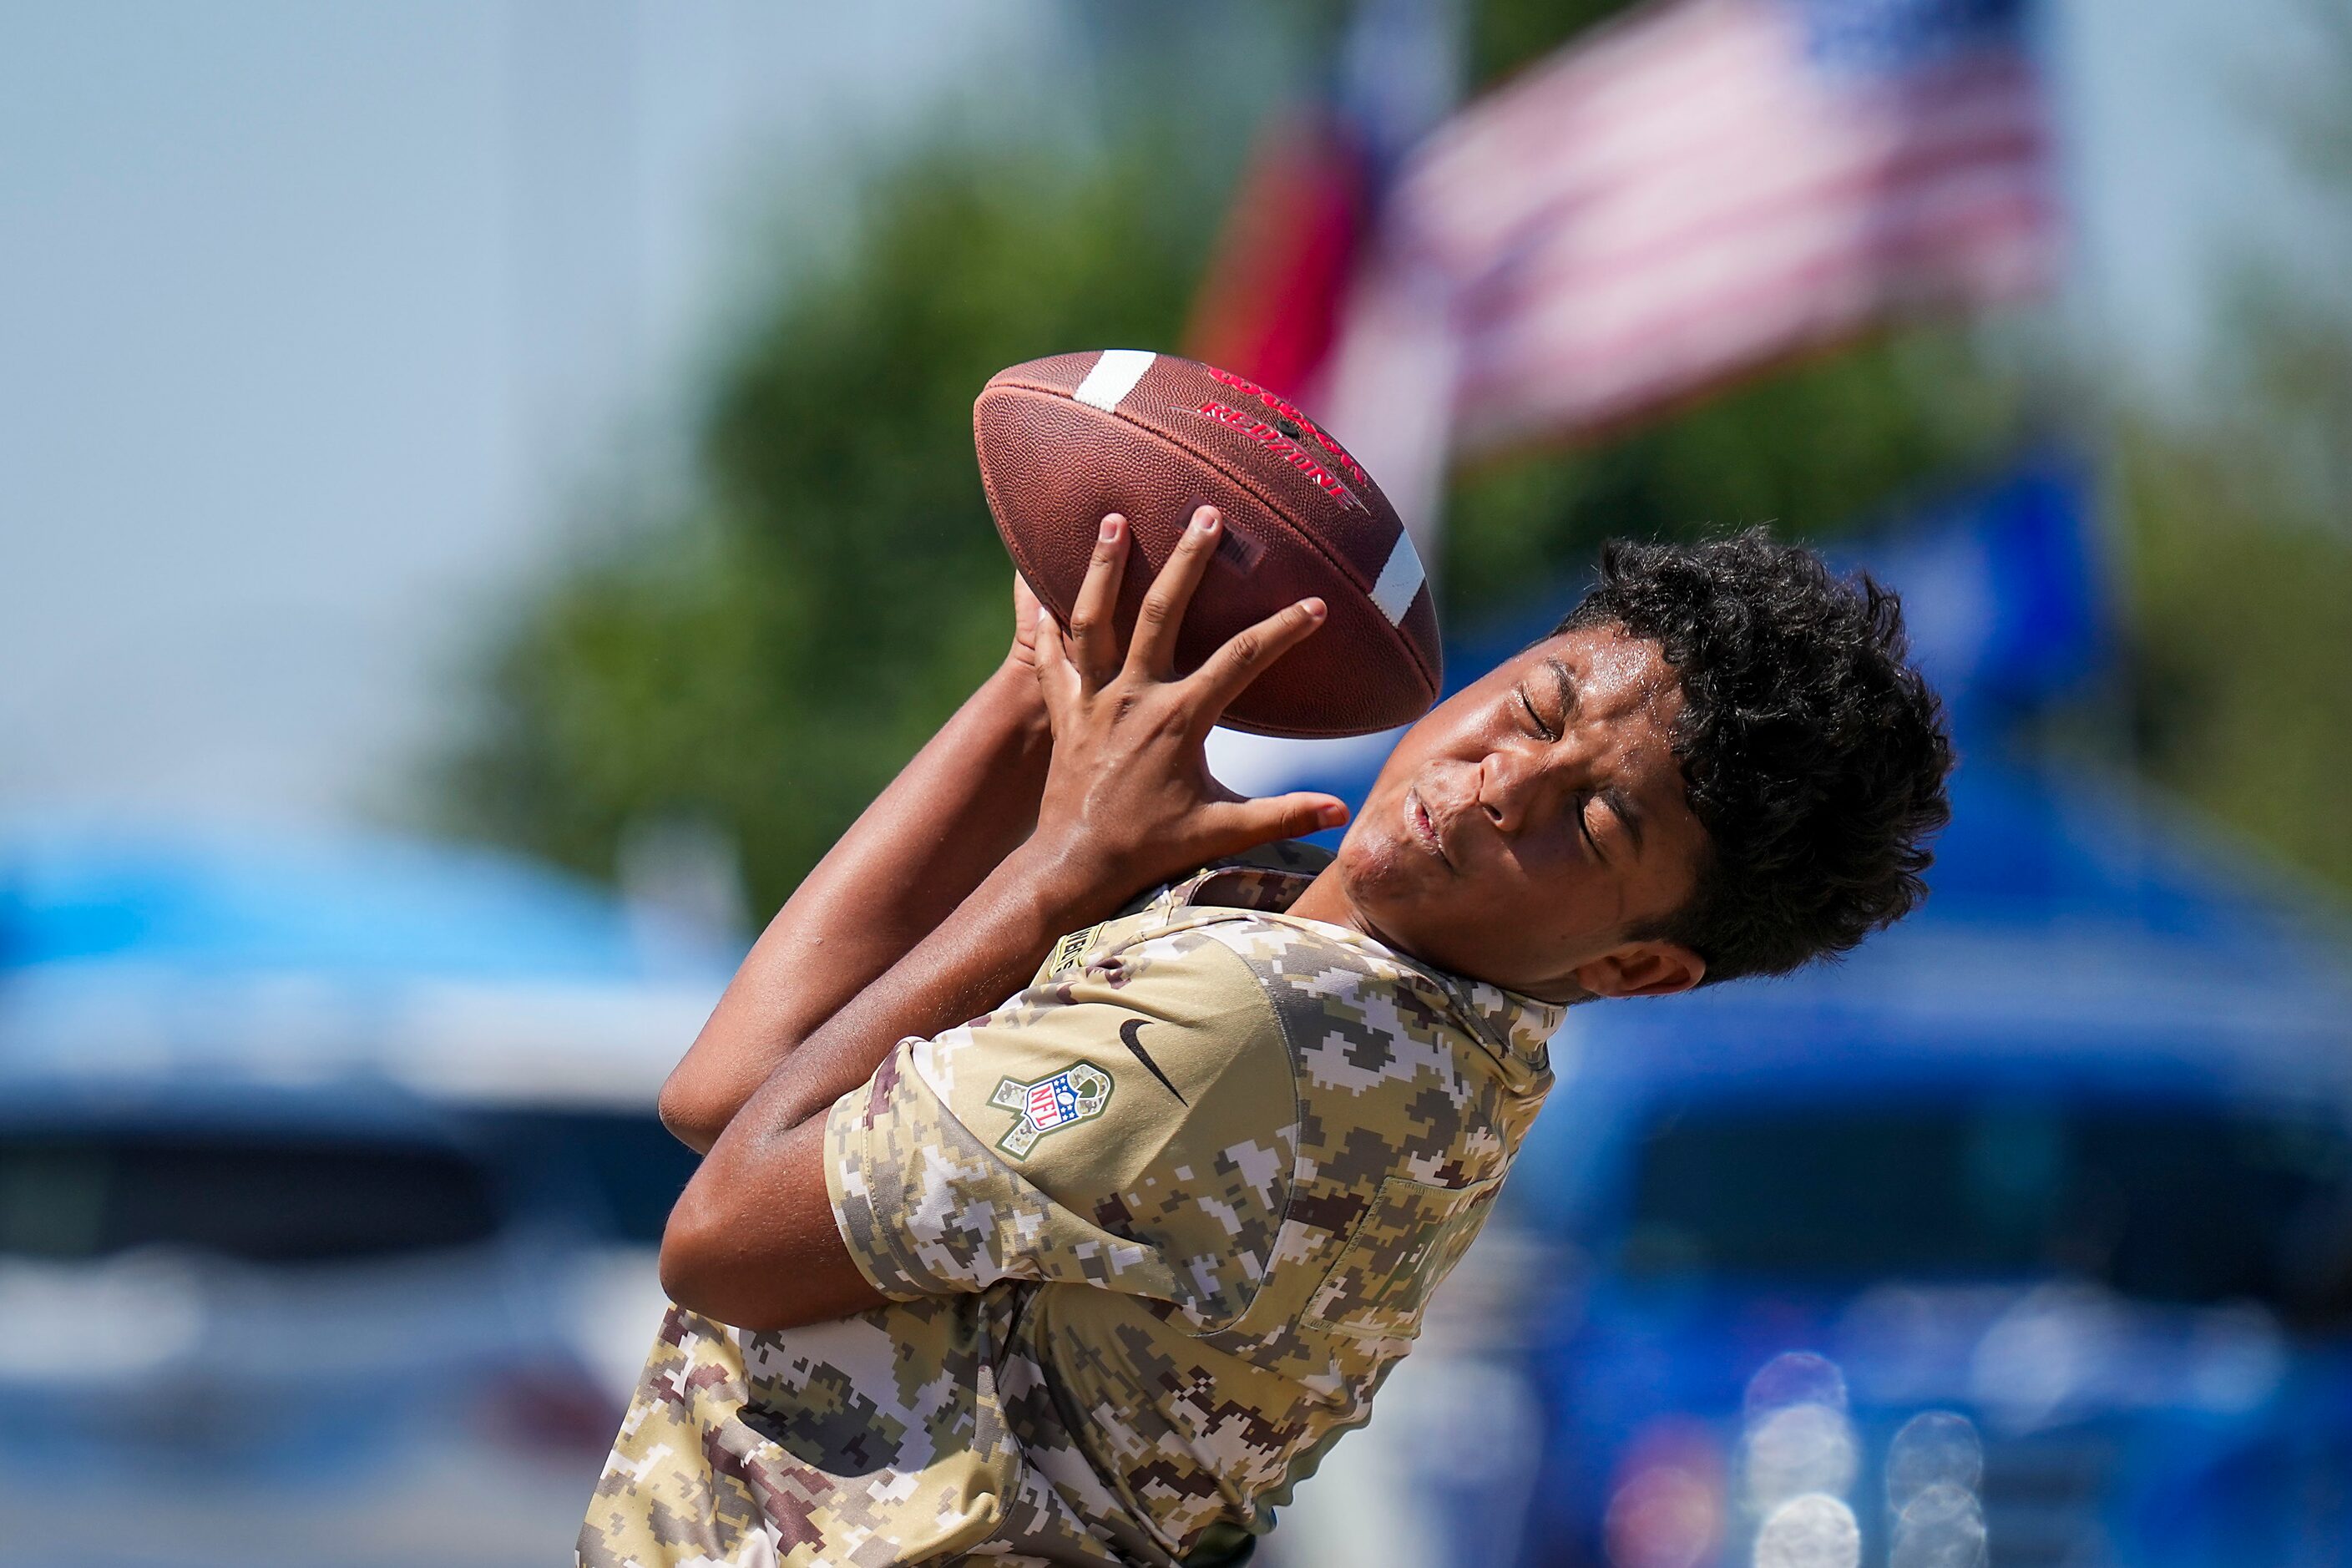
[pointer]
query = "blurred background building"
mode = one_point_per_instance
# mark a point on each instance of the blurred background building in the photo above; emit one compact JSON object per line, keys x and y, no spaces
{"x":486,"y":496}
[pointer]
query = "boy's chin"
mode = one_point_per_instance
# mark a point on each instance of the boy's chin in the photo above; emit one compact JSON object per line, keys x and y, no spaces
{"x":1377,"y":870}
{"x":1391,"y":896}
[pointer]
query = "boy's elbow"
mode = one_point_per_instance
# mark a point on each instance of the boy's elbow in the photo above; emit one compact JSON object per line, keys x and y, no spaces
{"x":755,"y":1244}
{"x":702,"y":1274}
{"x":694,"y":1116}
{"x":697,"y":1270}
{"x":680,"y":1278}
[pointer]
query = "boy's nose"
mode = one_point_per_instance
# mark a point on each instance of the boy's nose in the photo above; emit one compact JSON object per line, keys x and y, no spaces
{"x":1505,"y":792}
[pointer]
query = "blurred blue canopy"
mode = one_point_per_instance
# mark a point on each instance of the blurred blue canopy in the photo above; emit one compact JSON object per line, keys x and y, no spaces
{"x":348,"y":905}
{"x":129,"y":950}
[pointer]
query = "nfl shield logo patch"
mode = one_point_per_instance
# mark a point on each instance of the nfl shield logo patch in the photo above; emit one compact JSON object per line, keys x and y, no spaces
{"x":1078,"y":1093}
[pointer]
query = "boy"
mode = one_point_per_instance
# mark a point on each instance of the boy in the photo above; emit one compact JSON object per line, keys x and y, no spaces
{"x":1097,"y":1277}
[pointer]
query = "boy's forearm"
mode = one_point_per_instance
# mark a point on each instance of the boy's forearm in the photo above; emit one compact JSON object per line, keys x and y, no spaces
{"x":984,"y":951}
{"x":752,"y":1240}
{"x":955,"y":811}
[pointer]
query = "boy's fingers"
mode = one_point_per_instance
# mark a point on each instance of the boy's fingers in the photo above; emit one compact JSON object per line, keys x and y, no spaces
{"x":1054,"y":674}
{"x":1248,"y":823}
{"x":1092,"y":640}
{"x":1153,"y":651}
{"x":1228,"y":671}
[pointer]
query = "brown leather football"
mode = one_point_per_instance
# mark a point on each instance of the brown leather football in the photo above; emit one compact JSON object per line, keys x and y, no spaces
{"x":1066,"y":439}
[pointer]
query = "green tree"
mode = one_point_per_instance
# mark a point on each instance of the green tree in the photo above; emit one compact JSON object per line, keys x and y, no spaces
{"x":1811,"y":449}
{"x":2236,"y":540}
{"x":2241,"y":601}
{"x":766,"y":660}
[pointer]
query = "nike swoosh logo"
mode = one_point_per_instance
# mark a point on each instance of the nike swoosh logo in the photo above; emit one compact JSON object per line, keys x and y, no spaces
{"x":1129,"y":1033}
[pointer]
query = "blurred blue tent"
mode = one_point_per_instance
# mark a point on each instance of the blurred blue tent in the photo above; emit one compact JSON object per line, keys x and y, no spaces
{"x":343,"y":1148}
{"x":132,"y":952}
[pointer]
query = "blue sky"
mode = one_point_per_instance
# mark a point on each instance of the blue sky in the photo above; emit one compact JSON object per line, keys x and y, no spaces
{"x":317,"y":320}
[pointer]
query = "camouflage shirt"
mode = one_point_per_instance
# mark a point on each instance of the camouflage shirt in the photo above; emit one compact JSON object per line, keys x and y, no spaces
{"x":1154,"y":1231}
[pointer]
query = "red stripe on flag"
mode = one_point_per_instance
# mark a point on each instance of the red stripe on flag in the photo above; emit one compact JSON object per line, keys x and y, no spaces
{"x":2000,"y":252}
{"x":1602,"y":303}
{"x":1844,"y":188}
{"x":1779,"y":138}
{"x":1918,"y":243}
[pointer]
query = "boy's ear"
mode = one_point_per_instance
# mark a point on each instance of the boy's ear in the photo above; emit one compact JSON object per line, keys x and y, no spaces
{"x":1642,"y":969}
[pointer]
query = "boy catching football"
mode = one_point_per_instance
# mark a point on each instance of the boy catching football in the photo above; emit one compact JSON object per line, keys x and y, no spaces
{"x":1095,"y":1274}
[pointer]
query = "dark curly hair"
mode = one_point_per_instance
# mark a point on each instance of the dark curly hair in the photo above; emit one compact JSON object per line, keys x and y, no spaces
{"x":1812,"y":752}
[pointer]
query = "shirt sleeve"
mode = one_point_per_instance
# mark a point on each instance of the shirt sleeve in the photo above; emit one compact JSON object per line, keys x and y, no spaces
{"x":1128,"y":1125}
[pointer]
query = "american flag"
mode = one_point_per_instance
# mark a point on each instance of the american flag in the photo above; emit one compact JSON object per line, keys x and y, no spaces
{"x":1697,"y":191}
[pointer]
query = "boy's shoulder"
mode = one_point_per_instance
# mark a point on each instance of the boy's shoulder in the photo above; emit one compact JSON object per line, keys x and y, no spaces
{"x":1315,"y":966}
{"x":1359,"y":1018}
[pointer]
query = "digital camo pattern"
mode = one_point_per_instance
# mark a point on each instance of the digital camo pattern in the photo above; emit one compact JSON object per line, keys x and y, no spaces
{"x":1131,"y":1345}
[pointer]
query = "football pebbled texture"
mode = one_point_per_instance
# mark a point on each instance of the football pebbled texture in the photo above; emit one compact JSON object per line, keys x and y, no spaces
{"x":1065,"y":440}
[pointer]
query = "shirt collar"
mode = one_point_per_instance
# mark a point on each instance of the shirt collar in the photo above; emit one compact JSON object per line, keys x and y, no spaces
{"x":1523,"y":1024}
{"x":1270,"y":877}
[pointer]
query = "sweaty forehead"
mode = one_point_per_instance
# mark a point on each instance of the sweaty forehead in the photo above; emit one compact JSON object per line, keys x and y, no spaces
{"x":1624,"y":683}
{"x":1614,"y":674}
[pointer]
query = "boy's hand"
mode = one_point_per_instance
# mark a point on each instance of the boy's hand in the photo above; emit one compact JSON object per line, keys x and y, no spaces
{"x":1022,"y":655}
{"x":1128,"y":800}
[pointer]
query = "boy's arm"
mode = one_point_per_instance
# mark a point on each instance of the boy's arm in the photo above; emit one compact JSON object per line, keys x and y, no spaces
{"x":968,"y":798}
{"x":752,"y":1241}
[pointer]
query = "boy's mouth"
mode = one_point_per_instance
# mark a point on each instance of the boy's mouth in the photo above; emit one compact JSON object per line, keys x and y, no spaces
{"x":1423,"y":828}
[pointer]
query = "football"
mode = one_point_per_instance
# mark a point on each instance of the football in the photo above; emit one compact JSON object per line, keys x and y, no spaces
{"x":1066,"y":439}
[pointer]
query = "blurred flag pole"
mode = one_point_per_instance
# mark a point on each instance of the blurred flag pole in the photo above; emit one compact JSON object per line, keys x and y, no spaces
{"x":1286,"y":265}
{"x":1285,"y":270}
